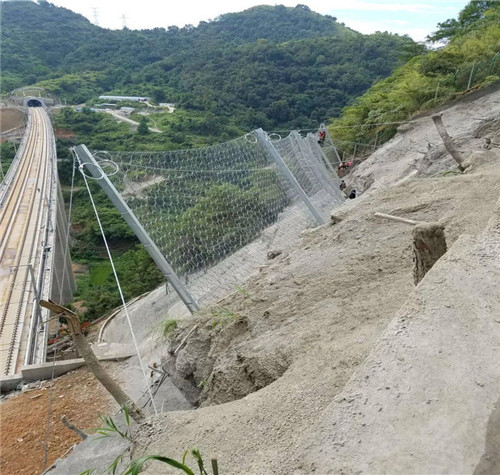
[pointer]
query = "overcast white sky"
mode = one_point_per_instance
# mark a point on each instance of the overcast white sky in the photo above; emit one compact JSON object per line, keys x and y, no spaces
{"x":416,"y":19}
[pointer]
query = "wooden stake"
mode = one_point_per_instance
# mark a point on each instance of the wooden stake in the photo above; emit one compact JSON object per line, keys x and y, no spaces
{"x":90,"y":358}
{"x":185,"y":338}
{"x":397,"y":218}
{"x":447,"y":140}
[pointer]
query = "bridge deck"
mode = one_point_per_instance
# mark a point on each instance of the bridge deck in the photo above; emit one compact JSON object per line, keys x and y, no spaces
{"x":23,"y":222}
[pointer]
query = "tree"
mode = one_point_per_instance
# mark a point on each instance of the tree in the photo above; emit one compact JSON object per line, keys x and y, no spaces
{"x":142,"y":128}
{"x":411,"y":50}
{"x":279,"y":111}
{"x":472,"y":12}
{"x":158,"y":95}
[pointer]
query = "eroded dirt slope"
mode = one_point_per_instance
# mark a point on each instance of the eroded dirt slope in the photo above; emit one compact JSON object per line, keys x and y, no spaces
{"x":10,"y":118}
{"x":24,"y":434}
{"x":269,"y":359}
{"x":315,"y":313}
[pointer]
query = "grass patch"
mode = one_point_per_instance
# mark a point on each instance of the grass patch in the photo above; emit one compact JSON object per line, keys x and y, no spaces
{"x":222,"y":317}
{"x":168,"y":327}
{"x":242,"y":291}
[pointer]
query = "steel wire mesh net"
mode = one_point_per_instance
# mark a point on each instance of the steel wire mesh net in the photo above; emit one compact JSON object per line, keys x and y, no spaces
{"x":215,"y":212}
{"x":308,"y":163}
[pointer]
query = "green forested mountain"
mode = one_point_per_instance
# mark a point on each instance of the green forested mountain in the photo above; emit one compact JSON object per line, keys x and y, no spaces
{"x":276,"y":24}
{"x":295,"y":83}
{"x":470,"y":57}
{"x":35,"y":40}
{"x":281,"y":66}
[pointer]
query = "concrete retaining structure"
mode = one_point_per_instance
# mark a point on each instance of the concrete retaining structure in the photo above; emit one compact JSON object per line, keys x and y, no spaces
{"x":40,"y":372}
{"x":44,"y":371}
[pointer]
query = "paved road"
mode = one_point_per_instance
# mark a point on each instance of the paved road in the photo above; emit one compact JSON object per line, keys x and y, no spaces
{"x":130,"y":121}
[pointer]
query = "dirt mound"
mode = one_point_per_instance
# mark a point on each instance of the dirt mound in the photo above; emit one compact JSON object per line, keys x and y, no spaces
{"x":209,"y":375}
{"x":431,"y":382}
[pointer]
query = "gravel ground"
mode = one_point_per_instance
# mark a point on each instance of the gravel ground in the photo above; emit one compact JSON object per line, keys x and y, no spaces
{"x":23,"y":420}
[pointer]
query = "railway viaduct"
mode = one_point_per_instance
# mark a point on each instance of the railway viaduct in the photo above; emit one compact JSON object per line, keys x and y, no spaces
{"x":34,"y":254}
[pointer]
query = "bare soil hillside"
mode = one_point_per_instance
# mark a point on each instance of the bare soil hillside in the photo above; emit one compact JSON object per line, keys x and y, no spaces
{"x":24,"y":433}
{"x":267,"y":362}
{"x":10,"y":119}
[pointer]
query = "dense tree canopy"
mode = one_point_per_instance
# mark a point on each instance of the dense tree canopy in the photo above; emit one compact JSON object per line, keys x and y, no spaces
{"x":468,"y":18}
{"x":283,"y":67}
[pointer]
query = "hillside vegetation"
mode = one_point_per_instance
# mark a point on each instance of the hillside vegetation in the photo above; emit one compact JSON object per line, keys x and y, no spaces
{"x":282,"y":66}
{"x":429,"y":79}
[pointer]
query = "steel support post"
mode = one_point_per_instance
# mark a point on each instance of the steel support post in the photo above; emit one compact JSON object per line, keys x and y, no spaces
{"x":289,"y":175}
{"x":160,"y":260}
{"x":319,"y":170}
{"x":323,"y":127}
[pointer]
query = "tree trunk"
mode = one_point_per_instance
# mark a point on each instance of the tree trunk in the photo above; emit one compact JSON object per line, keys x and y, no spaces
{"x":447,"y":140}
{"x":429,"y":244}
{"x":90,"y":358}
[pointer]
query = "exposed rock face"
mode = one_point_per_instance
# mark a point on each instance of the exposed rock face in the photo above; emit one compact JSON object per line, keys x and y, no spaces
{"x":429,"y":244}
{"x":219,"y":363}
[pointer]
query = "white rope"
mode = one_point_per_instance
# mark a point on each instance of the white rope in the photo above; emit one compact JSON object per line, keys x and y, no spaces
{"x":119,"y":287}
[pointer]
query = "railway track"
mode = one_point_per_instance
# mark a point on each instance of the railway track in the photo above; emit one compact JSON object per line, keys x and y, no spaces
{"x":23,"y":218}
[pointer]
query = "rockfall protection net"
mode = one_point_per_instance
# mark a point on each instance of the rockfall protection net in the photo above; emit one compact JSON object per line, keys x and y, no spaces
{"x":216,"y":212}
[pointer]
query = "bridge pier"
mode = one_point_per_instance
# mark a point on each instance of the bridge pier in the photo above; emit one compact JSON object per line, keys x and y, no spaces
{"x":63,"y":281}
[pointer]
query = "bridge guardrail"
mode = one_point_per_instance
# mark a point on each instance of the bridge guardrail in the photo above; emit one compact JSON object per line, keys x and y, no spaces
{"x":11,"y":173}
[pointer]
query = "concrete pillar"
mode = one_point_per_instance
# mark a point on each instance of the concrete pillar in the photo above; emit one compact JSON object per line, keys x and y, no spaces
{"x":63,"y":283}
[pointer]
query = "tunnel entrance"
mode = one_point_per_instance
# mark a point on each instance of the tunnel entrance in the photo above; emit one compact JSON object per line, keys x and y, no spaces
{"x":34,"y":103}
